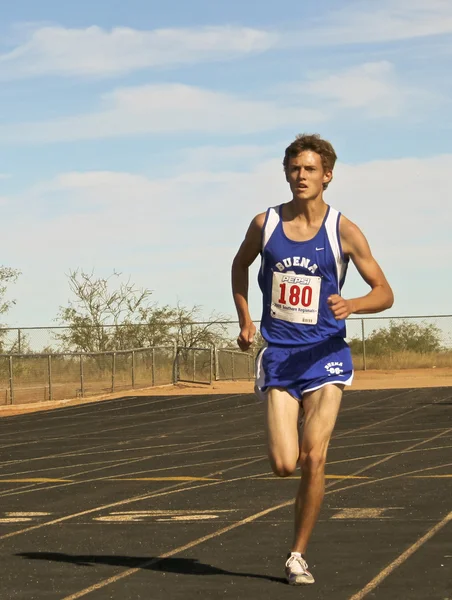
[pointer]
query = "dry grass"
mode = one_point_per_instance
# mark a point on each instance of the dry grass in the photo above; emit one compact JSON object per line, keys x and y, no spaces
{"x":405,"y":360}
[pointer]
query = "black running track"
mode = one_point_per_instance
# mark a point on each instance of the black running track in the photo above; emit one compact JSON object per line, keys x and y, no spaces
{"x":172,"y":498}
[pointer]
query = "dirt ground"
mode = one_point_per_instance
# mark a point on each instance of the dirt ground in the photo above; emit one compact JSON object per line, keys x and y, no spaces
{"x":364,"y":380}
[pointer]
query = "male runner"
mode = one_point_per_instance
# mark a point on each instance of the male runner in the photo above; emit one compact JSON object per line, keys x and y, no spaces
{"x":305,"y":246}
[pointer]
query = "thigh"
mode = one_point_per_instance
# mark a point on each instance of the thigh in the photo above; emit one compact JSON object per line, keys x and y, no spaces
{"x":282,"y":430}
{"x":321,"y":408}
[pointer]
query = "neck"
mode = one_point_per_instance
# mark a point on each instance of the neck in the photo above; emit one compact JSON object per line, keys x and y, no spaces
{"x":311,"y":210}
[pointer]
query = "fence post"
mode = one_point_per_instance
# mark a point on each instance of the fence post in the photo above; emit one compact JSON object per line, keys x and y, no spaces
{"x":49,"y":369}
{"x":19,"y":341}
{"x":249,"y":366}
{"x":153,"y":367}
{"x":175,"y":363}
{"x":133,"y":369}
{"x":194,"y":365}
{"x":211,"y":364}
{"x":232,"y":366}
{"x":364,"y":345}
{"x":82,"y":379}
{"x":217,"y":364}
{"x":113,"y":371}
{"x":11,"y":381}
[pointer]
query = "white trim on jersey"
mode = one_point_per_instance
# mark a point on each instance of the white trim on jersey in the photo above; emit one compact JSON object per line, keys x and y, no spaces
{"x":270,"y":225}
{"x":331,"y":231}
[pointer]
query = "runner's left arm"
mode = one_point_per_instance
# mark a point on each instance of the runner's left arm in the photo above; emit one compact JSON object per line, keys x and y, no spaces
{"x":380,"y":297}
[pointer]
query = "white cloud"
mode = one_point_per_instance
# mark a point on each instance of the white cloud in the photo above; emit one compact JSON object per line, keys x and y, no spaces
{"x":369,"y":22}
{"x":224,"y":158}
{"x":372,"y":87}
{"x":163,"y":108}
{"x":94,"y":51}
{"x":401,"y":204}
{"x":177,"y":235}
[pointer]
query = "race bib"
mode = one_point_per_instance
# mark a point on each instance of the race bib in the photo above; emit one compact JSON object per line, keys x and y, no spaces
{"x":295,"y":298}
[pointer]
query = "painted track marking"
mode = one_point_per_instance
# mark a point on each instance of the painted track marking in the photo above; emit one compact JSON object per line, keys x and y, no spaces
{"x":401,"y":559}
{"x":164,"y":492}
{"x":201,"y":540}
{"x":340,"y":435}
{"x":192,"y":544}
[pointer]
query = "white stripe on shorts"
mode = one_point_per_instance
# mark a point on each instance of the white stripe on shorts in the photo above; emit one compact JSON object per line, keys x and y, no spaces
{"x":260,"y":376}
{"x":346,"y":382}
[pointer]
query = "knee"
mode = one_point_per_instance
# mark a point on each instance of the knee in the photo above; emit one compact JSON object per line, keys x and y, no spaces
{"x":313,"y":462}
{"x":282,"y":469}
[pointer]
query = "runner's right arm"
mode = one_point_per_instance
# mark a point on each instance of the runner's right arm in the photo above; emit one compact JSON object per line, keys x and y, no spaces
{"x":247,"y":254}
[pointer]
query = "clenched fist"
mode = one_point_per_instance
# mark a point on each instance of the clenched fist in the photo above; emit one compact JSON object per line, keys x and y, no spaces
{"x":340,"y":308}
{"x":246,"y":337}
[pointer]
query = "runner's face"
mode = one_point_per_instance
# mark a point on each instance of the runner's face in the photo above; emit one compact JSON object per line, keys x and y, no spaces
{"x":306,"y":176}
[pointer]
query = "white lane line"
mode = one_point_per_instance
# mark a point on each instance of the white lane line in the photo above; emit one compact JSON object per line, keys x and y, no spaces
{"x":364,"y":513}
{"x":36,"y":480}
{"x":27,"y":490}
{"x":398,"y":416}
{"x":161,"y":515}
{"x":28,"y":514}
{"x":349,"y":460}
{"x":146,"y":564}
{"x":100,"y":417}
{"x":375,"y":582}
{"x":178,"y":550}
{"x":15,"y":520}
{"x":174,"y":488}
{"x":155,"y":560}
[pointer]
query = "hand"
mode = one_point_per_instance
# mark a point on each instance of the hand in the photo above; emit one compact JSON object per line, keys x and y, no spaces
{"x":340,"y":308}
{"x":246,"y":337}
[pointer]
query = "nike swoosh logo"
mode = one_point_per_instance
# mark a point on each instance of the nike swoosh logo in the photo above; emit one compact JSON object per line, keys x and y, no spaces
{"x":320,"y":248}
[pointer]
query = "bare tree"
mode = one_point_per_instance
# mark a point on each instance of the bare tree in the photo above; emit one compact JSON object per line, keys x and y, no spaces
{"x":101,"y":319}
{"x":192,"y":331}
{"x":7,"y":277}
{"x":96,"y":312}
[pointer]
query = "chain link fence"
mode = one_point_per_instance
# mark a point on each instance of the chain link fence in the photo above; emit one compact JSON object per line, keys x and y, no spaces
{"x":28,"y":375}
{"x":29,"y":378}
{"x":401,"y":343}
{"x":51,"y":340}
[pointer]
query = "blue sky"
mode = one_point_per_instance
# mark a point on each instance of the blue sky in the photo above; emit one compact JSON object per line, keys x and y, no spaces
{"x":142,"y":137}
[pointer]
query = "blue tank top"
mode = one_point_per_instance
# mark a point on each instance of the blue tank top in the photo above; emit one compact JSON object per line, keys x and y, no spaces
{"x":296,"y":279}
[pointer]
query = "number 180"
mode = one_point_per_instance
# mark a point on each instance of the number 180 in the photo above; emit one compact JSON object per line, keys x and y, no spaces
{"x":296,"y":295}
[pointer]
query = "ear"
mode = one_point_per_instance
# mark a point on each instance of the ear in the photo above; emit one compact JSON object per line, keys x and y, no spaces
{"x":327,"y":177}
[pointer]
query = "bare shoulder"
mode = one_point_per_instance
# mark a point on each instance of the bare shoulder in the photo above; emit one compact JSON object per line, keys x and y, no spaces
{"x":256,"y":226}
{"x":353,"y":239}
{"x":251,"y":245}
{"x":347,"y":228}
{"x":259,"y":220}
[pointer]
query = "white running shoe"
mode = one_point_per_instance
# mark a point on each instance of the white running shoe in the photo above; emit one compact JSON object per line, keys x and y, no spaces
{"x":297,"y":570}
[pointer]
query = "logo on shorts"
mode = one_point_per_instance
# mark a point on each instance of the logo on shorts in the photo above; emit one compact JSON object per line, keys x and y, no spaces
{"x":334,"y":368}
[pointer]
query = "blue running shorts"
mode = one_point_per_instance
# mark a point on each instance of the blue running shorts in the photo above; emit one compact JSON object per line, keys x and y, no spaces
{"x":300,"y":370}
